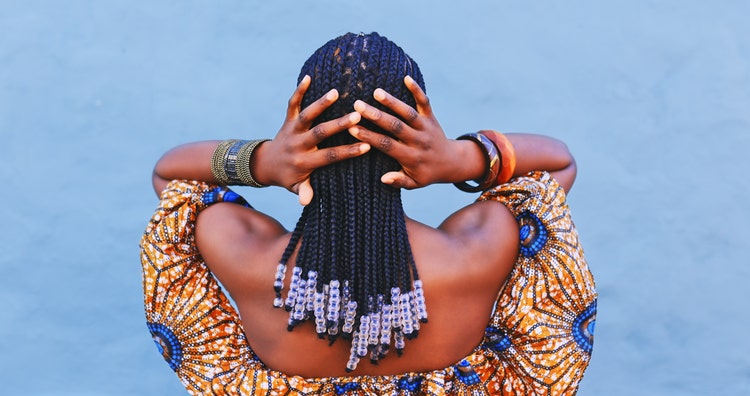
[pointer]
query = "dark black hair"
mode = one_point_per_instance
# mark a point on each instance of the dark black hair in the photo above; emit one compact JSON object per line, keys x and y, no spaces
{"x":355,"y":274}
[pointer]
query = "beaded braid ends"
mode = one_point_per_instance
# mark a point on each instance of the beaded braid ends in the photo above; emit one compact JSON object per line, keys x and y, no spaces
{"x":354,"y":275}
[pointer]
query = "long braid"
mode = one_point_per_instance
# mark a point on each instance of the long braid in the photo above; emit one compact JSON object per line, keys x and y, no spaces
{"x":355,"y":273}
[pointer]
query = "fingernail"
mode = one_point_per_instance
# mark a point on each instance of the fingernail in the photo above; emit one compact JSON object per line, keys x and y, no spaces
{"x":379,"y":94}
{"x":363,"y":148}
{"x":408,"y":79}
{"x":354,"y":117}
{"x":331,"y":95}
{"x":354,"y":131}
{"x":359,"y":105}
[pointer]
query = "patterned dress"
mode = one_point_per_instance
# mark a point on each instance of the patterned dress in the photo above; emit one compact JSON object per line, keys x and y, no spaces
{"x":538,"y":338}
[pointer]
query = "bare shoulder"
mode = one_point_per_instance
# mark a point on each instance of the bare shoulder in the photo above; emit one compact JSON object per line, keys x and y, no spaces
{"x":464,"y":263}
{"x":477,"y":244}
{"x":233,"y":240}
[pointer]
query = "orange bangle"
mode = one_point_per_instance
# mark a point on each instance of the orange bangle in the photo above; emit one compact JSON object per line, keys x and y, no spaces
{"x":507,"y":154}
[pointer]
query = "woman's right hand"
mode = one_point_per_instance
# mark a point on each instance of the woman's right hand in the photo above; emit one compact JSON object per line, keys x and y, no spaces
{"x":289,"y":159}
{"x":419,"y":144}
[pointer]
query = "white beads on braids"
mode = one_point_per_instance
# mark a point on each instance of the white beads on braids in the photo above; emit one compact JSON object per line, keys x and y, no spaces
{"x":312,"y":283}
{"x":362,"y":335}
{"x":399,"y":342}
{"x":334,"y":308}
{"x":353,"y":357}
{"x":396,"y":318}
{"x":278,"y":285}
{"x":319,"y":314}
{"x":404,"y":306}
{"x":298,"y":312}
{"x":421,"y":306}
{"x":291,"y":298}
{"x":349,"y":317}
{"x":334,"y":312}
{"x":385,"y":326}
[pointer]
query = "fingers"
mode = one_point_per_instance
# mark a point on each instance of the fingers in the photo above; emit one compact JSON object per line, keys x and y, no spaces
{"x":423,"y":102}
{"x":327,"y":129}
{"x":311,"y":112}
{"x":331,"y":155}
{"x":389,"y":123}
{"x":293,"y":108}
{"x":386,"y":144}
{"x":402,"y":109}
{"x":305,"y":192}
{"x":398,"y":180}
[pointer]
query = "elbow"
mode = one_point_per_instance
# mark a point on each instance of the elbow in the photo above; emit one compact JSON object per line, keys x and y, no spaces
{"x":567,"y":175}
{"x":159,"y":182}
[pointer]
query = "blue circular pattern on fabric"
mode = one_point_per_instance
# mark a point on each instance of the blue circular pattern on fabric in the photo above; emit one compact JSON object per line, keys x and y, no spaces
{"x":466,"y":374}
{"x":231,"y":196}
{"x":222,"y":194}
{"x":167,"y":344}
{"x":212,"y":196}
{"x":532,"y":234}
{"x":583,"y":328}
{"x":496,"y":339}
{"x":346,"y":387}
{"x":410,"y":383}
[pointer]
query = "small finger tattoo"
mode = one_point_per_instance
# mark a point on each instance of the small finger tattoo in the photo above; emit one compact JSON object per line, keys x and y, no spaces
{"x":385,"y":144}
{"x":302,"y":117}
{"x":412,"y":115}
{"x":396,"y":126}
{"x":332,"y":156}
{"x":318,"y":132}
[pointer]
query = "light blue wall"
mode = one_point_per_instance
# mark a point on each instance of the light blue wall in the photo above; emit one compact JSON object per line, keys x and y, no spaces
{"x":653,"y":98}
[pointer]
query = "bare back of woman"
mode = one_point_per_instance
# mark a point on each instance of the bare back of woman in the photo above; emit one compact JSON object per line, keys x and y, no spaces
{"x":496,"y":299}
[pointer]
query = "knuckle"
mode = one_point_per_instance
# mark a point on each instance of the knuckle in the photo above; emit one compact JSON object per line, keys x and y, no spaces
{"x":318,"y":132}
{"x":302,"y":117}
{"x":296,"y":162}
{"x":375,"y":114}
{"x":412,"y":115}
{"x":385,"y":144}
{"x":396,"y":126}
{"x":332,"y":156}
{"x":344,"y":121}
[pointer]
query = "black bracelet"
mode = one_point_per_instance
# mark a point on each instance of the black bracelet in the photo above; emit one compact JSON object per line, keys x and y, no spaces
{"x":492,"y":163}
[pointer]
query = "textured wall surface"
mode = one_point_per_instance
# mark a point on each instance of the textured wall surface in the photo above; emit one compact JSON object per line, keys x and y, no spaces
{"x":653,"y":98}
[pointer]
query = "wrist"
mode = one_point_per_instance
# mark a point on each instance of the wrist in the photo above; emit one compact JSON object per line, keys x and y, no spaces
{"x":468,"y":162}
{"x":259,"y":165}
{"x":499,"y":160}
{"x":231,"y":162}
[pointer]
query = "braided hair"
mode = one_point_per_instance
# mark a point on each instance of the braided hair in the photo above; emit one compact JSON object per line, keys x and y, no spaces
{"x":354,"y":275}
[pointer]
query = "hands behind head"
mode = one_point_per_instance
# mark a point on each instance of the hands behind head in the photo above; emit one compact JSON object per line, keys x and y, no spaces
{"x":419,"y":144}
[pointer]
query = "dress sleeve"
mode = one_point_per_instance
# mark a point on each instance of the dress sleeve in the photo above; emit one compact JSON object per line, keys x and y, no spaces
{"x":543,"y":322}
{"x":192,"y":322}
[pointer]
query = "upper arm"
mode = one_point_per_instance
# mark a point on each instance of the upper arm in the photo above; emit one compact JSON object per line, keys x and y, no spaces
{"x":486,"y":235}
{"x":232,"y":239}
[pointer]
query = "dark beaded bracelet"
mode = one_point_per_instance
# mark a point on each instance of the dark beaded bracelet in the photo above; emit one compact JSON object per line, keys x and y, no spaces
{"x":492,"y":162}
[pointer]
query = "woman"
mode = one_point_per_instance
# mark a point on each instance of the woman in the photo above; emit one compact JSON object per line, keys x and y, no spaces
{"x":498,"y":299}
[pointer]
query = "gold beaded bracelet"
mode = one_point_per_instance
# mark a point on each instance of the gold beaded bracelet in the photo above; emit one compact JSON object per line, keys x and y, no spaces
{"x":230,"y":162}
{"x":244,"y":157}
